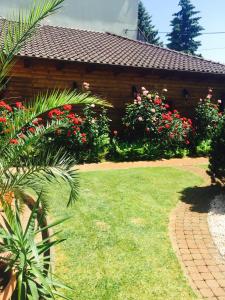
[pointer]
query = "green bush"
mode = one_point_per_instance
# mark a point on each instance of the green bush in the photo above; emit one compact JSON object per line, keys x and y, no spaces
{"x":217,"y":154}
{"x":207,"y":117}
{"x":141,"y":150}
{"x":150,"y":119}
{"x":87,"y":137}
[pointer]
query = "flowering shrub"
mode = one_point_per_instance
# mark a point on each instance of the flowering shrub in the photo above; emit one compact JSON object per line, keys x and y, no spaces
{"x":87,"y":136}
{"x":207,"y":117}
{"x":149,"y":118}
{"x":217,"y":154}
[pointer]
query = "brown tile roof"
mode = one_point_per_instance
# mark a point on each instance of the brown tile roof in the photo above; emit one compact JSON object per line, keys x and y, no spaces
{"x":104,"y":48}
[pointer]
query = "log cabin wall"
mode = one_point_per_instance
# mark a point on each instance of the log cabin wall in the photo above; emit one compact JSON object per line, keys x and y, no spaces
{"x":115,"y":84}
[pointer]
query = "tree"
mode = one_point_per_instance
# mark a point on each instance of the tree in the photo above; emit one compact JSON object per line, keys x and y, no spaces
{"x":145,"y":26}
{"x":185,"y":28}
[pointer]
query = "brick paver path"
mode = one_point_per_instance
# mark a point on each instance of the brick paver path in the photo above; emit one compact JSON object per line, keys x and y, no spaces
{"x":192,"y":241}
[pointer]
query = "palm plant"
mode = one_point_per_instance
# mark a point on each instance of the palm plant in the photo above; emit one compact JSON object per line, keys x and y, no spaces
{"x":26,"y":256}
{"x":18,"y":171}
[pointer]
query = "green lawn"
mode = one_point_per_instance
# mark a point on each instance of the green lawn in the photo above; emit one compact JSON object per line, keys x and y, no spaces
{"x":117,"y":239}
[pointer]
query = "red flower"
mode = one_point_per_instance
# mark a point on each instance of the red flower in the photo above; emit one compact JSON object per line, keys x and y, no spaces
{"x":160,"y":129}
{"x":83,"y":134}
{"x":19,"y":105}
{"x":67,"y":107}
{"x":167,"y":126}
{"x":76,"y":121}
{"x":158,"y":101}
{"x":35,"y":122}
{"x":171,"y":135}
{"x":2,"y":104}
{"x":187,"y":142}
{"x":69,"y":133}
{"x":32,"y":130}
{"x":55,"y":113}
{"x":8,"y":107}
{"x":83,"y":140}
{"x":70,"y":116}
{"x":167,"y":106}
{"x":3,"y":120}
{"x":14,"y":141}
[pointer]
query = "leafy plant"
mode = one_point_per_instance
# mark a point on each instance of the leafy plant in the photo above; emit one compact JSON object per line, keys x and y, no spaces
{"x":217,"y":154}
{"x":86,"y":137}
{"x":149,"y":118}
{"x":207,"y":117}
{"x":26,"y":254}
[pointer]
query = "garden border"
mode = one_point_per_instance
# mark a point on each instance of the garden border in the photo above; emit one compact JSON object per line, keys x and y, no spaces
{"x":193,"y":244}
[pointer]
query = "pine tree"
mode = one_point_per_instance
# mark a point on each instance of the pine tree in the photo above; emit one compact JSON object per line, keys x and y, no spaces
{"x":185,"y":28}
{"x":145,"y":25}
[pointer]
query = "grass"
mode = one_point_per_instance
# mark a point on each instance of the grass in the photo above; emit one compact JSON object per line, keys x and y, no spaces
{"x":117,"y":238}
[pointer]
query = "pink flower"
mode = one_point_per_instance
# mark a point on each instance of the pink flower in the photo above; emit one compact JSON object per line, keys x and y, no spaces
{"x":140,"y":119}
{"x":139,"y":102}
{"x":86,"y":85}
{"x":145,"y":93}
{"x":165,"y":90}
{"x":153,"y":110}
{"x":219,"y":101}
{"x":209,"y":96}
{"x":135,"y":101}
{"x":138,"y":98}
{"x":143,"y":89}
{"x":115,"y":132}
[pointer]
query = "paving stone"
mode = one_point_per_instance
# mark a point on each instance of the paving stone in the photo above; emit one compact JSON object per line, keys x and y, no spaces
{"x":201,"y":260}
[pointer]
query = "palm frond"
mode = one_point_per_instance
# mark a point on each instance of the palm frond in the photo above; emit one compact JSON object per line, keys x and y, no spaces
{"x":43,"y":103}
{"x":21,"y":27}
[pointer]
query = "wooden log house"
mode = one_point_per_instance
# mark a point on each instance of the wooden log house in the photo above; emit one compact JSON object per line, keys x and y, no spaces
{"x":116,"y":67}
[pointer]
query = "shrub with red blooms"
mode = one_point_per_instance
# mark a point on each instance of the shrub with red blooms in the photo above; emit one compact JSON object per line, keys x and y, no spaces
{"x":87,"y":136}
{"x":149,"y":118}
{"x":207,"y":117}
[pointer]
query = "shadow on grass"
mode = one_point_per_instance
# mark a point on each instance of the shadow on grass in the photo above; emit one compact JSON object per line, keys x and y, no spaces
{"x":199,"y":197}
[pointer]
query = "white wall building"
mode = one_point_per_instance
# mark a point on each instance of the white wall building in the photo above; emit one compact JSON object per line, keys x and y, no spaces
{"x":115,"y":16}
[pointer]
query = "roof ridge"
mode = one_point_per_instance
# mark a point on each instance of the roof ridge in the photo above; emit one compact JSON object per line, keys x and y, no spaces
{"x":165,"y":49}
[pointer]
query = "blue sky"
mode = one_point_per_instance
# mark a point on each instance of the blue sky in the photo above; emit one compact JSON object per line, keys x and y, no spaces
{"x":213,"y":19}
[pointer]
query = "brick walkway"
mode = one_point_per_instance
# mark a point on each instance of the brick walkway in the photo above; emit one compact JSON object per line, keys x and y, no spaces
{"x":192,"y":241}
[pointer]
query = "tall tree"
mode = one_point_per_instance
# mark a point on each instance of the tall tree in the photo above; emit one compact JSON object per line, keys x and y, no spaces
{"x":185,"y":28}
{"x":146,"y":27}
